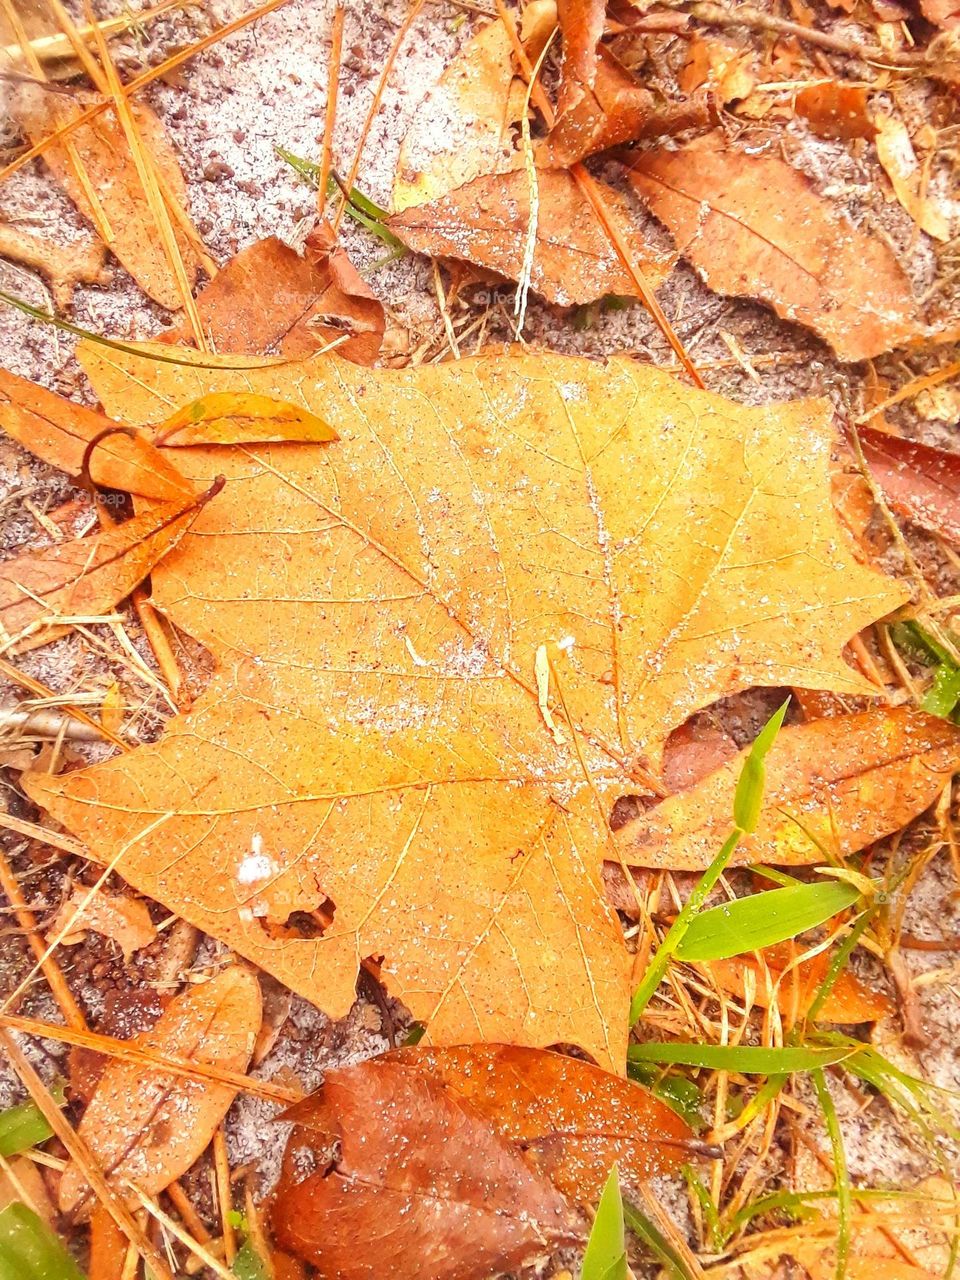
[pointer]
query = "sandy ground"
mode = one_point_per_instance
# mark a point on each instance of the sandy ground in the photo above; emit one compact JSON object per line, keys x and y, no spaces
{"x":228,"y":111}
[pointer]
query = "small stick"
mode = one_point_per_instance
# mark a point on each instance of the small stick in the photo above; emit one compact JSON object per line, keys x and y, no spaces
{"x":183,"y":1205}
{"x":42,"y":691}
{"x":330,"y":115}
{"x":195,"y":1246}
{"x":130,"y":1051}
{"x":51,"y":970}
{"x":81,"y":1153}
{"x":221,"y":1163}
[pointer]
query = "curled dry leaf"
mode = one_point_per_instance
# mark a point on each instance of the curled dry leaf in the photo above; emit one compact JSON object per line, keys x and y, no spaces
{"x":401,"y":609}
{"x":119,"y":917}
{"x":795,"y":989}
{"x":21,"y":1180}
{"x":148,"y":1127}
{"x":917,"y":480}
{"x":87,"y":577}
{"x":486,"y":222}
{"x":60,"y":431}
{"x":79,"y":263}
{"x":908,"y":178}
{"x":271,"y":298}
{"x":754,"y":227}
{"x":833,"y":786}
{"x":571,"y":1120}
{"x":397,"y":1159}
{"x":727,"y":68}
{"x":833,"y":109}
{"x":102,"y":148}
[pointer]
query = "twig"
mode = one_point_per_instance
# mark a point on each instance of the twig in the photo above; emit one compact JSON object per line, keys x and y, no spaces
{"x":41,"y":690}
{"x":330,"y":113}
{"x":913,"y":388}
{"x":221,"y":1167}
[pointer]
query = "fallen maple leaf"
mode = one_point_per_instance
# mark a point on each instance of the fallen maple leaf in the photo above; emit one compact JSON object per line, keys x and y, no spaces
{"x":487,"y":222}
{"x":398,"y":1160}
{"x":571,"y":1120}
{"x":754,"y":227}
{"x":849,"y":1001}
{"x":148,"y":1127}
{"x":833,"y":786}
{"x":124,"y":920}
{"x":86,"y":577}
{"x":374,"y":734}
{"x":271,"y":298}
{"x":917,"y":480}
{"x":111,"y":178}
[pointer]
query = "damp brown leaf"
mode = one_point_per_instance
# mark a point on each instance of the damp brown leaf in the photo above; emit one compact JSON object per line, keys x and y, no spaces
{"x":147,"y":1126}
{"x":754,"y":227}
{"x":833,"y":786}
{"x":118,"y":917}
{"x":382,"y":740}
{"x":397,"y":1159}
{"x":917,"y":480}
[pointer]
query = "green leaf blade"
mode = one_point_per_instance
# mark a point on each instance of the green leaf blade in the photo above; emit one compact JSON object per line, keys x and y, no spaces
{"x":605,"y":1257}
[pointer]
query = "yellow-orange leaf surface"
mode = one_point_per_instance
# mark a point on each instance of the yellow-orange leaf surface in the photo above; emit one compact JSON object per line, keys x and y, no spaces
{"x":374,"y":733}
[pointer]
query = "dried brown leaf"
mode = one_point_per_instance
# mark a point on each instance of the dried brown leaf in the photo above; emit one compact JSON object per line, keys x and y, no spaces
{"x":148,"y":1126}
{"x":833,"y":109}
{"x":118,"y":917}
{"x":486,"y":222}
{"x":917,"y":480}
{"x":900,"y":163}
{"x":754,"y":227}
{"x":833,"y":786}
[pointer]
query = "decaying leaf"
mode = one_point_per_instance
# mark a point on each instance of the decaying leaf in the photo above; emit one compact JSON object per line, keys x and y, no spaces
{"x":374,"y":734}
{"x":571,"y":1120}
{"x":86,"y":577}
{"x":581,"y":24}
{"x":729,"y":69}
{"x":849,"y":1001}
{"x":101,"y":145}
{"x":466,"y":125}
{"x":148,"y":1127}
{"x":754,"y":227}
{"x":21,"y":1180}
{"x":833,"y":786}
{"x":271,"y":298}
{"x":833,"y":109}
{"x":486,"y":222}
{"x":108,"y":1247}
{"x":396,"y":1159}
{"x":124,"y":920}
{"x":60,"y":432}
{"x":917,"y":480}
{"x":906,"y":175}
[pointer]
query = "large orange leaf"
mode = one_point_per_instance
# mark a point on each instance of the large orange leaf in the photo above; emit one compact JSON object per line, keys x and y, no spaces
{"x":374,"y":734}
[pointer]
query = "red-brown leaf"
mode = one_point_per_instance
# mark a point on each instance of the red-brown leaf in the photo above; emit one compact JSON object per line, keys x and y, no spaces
{"x":917,"y":480}
{"x":399,"y":1176}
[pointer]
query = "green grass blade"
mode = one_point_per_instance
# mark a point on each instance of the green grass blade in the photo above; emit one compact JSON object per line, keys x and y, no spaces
{"x":749,"y":924}
{"x":29,"y":1250}
{"x":743,"y":1059}
{"x":248,"y":1265}
{"x":844,"y":1199}
{"x":22,"y":1127}
{"x":678,"y":1092}
{"x":656,"y":1242}
{"x":748,"y":799}
{"x":605,"y":1257}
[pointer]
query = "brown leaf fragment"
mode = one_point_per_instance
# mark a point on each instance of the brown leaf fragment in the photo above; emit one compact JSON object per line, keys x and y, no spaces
{"x":942,"y":13}
{"x":850,"y":1000}
{"x":111,"y":174}
{"x":64,"y":267}
{"x":581,"y":25}
{"x":754,"y":227}
{"x":833,"y":786}
{"x":907,"y":177}
{"x":59,"y":431}
{"x":725,"y":67}
{"x":21,"y":1179}
{"x":229,"y":417}
{"x":86,"y":577}
{"x":917,"y":480}
{"x":618,"y":109}
{"x":108,"y":1247}
{"x":121,"y":918}
{"x":833,"y":109}
{"x":397,"y":1159}
{"x":270,"y":298}
{"x":570,"y":1119}
{"x":486,"y":222}
{"x":148,"y":1126}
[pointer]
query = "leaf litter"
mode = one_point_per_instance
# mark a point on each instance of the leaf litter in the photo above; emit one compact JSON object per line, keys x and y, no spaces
{"x":253,"y":413}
